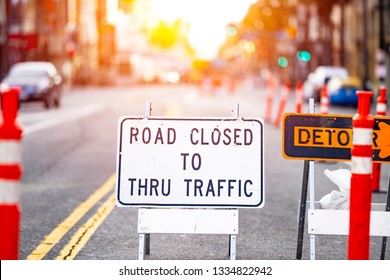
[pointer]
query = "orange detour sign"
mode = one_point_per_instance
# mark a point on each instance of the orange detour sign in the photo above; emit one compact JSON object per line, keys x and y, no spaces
{"x":329,"y":137}
{"x":322,"y":137}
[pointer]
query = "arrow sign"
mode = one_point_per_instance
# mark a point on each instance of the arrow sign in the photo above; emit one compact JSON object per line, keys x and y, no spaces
{"x":329,"y":137}
{"x":383,"y":139}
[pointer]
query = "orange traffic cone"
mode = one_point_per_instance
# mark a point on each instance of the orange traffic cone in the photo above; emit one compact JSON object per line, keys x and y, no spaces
{"x":10,"y":174}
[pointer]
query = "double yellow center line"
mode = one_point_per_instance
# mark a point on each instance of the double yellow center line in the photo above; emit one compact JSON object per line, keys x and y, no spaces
{"x":84,"y":233}
{"x":81,"y":237}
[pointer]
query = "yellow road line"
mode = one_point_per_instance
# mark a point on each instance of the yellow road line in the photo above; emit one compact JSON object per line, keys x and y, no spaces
{"x":84,"y":233}
{"x":55,"y":236}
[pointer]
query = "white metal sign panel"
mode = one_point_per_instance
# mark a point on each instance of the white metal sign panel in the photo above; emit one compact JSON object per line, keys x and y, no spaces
{"x":197,"y":221}
{"x":171,"y":162}
{"x":336,"y":222}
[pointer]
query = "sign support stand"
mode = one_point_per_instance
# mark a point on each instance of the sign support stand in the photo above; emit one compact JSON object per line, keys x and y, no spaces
{"x":233,"y":237}
{"x":197,"y":220}
{"x":144,"y":238}
{"x":308,"y":179}
{"x":311,"y":189}
{"x":302,"y":209}
{"x":303,"y":139}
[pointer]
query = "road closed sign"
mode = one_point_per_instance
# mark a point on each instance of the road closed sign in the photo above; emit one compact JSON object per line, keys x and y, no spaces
{"x":172,"y":162}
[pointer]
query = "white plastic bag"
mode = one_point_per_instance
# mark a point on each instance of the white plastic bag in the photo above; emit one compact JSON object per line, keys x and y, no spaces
{"x":338,"y":199}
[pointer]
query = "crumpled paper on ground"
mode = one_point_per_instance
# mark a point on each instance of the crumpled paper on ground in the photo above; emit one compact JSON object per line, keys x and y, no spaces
{"x":338,"y":200}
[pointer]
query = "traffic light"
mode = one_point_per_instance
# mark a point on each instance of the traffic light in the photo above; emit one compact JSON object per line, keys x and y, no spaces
{"x":231,"y":30}
{"x":303,"y":56}
{"x":282,"y":61}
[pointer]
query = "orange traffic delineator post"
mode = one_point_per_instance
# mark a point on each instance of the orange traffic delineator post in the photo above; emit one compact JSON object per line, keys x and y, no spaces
{"x":360,"y":193}
{"x":324,"y":101}
{"x":10,"y":175}
{"x":299,"y":98}
{"x":381,"y":109}
{"x":269,"y":99}
{"x":282,"y":104}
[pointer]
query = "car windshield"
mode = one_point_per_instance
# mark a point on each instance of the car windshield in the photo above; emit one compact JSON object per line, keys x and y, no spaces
{"x":28,"y":73}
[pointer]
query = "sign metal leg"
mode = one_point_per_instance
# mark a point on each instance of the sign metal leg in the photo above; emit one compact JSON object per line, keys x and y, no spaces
{"x":147,"y":243}
{"x":233,"y":237}
{"x":302,"y":209}
{"x":311,"y":187}
{"x":144,"y":238}
{"x":233,"y":246}
{"x":229,"y":244}
{"x":141,"y":252}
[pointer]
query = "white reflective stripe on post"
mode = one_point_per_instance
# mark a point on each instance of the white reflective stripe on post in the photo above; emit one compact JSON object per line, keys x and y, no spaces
{"x":10,"y":152}
{"x":381,"y":107}
{"x":9,"y":192}
{"x":285,"y":92}
{"x":362,"y":136}
{"x":361,"y":165}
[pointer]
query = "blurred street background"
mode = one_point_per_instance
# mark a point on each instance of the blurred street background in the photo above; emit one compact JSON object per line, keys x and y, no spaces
{"x":97,"y":42}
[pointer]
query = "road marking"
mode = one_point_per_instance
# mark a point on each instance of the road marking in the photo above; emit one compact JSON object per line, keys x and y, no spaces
{"x":54,"y":237}
{"x":28,"y":129}
{"x":84,"y":233}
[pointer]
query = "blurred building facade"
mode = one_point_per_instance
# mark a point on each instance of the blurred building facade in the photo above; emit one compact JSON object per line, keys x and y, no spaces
{"x":147,"y":47}
{"x":280,"y":30}
{"x":73,"y":34}
{"x":361,"y":41}
{"x":293,"y":37}
{"x":78,"y":37}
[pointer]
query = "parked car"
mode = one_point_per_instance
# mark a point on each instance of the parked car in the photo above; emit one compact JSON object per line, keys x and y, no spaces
{"x":313,"y":85}
{"x":39,"y":81}
{"x":343,"y":91}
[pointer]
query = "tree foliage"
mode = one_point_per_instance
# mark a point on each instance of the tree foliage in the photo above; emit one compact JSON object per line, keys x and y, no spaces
{"x":269,"y":15}
{"x":164,"y":35}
